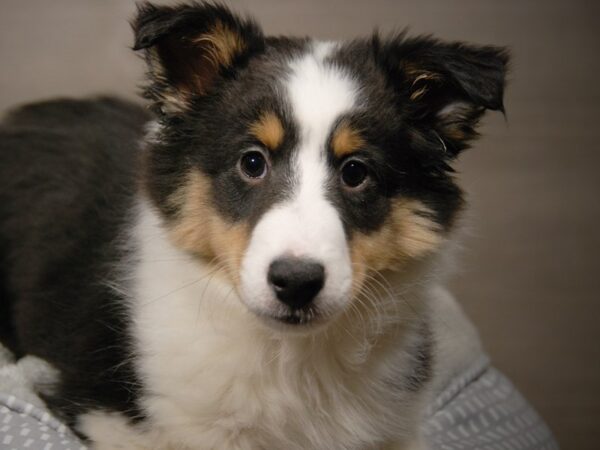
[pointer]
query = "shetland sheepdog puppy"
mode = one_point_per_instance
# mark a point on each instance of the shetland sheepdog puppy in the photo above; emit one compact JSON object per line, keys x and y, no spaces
{"x":254,"y":261}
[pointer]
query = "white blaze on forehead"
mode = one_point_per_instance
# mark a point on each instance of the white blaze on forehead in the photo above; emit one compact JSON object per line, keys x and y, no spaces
{"x":319,"y":93}
{"x":307,"y":224}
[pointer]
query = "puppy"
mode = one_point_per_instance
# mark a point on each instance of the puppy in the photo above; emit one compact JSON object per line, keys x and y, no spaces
{"x":255,"y":264}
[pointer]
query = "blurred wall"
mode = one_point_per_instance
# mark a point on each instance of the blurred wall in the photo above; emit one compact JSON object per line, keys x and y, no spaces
{"x":529,"y":275}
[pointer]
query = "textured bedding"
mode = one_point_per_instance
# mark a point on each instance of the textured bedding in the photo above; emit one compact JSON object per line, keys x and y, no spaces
{"x":479,"y":410}
{"x":482,"y":410}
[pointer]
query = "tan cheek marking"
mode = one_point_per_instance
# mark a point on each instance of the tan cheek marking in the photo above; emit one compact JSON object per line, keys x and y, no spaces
{"x":224,"y":44}
{"x":268,"y":130}
{"x":346,"y":140}
{"x":407,"y":234}
{"x":203,"y":232}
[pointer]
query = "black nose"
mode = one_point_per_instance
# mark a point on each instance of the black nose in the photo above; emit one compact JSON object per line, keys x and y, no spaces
{"x":296,"y":281}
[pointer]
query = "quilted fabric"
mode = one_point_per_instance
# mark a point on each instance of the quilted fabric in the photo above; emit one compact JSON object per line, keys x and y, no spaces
{"x":23,"y":425}
{"x":482,"y":410}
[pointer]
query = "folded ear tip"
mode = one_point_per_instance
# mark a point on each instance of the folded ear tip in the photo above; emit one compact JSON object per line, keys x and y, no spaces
{"x":195,"y":43}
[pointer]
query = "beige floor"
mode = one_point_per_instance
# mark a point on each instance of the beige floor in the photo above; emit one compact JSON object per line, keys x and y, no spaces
{"x":529,"y":276}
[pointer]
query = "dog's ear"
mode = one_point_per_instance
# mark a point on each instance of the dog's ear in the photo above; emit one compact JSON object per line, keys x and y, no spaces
{"x":189,"y":48}
{"x":445,"y":87}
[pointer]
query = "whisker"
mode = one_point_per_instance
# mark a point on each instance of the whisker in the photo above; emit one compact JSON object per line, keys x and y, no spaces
{"x":180,"y":288}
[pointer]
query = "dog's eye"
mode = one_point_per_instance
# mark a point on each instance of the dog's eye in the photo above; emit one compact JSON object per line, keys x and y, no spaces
{"x":354,"y":173}
{"x":253,"y":165}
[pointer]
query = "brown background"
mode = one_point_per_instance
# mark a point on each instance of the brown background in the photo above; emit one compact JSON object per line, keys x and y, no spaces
{"x":529,"y":275}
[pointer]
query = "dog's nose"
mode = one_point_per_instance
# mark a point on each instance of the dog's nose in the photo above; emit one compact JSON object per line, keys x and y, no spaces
{"x":296,"y":281}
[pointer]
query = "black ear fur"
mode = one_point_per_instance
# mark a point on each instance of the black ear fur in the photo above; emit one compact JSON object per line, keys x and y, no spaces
{"x":188,"y":47}
{"x":445,"y":86}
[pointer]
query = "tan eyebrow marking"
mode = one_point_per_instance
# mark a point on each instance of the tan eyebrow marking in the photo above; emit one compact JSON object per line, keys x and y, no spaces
{"x":268,"y":130}
{"x":346,"y":140}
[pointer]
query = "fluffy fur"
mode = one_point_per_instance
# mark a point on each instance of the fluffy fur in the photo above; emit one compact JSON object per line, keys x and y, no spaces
{"x":136,"y":250}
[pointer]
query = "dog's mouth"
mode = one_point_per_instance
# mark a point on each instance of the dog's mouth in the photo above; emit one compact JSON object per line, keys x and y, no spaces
{"x":303,"y":318}
{"x":300,"y":316}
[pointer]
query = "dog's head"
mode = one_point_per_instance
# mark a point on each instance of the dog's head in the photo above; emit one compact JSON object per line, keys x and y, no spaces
{"x":303,"y":168}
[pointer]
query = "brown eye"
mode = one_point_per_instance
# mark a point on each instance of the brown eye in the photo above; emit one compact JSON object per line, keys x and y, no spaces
{"x":253,"y":165}
{"x":354,"y":173}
